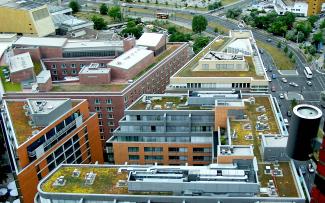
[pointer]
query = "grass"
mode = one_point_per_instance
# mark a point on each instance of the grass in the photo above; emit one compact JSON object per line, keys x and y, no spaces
{"x":176,"y":100}
{"x":282,"y":61}
{"x":9,"y":86}
{"x":37,"y":68}
{"x":221,"y":28}
{"x":105,"y":181}
{"x":227,"y":2}
{"x":72,"y":87}
{"x":20,"y":121}
{"x":166,"y":53}
{"x":89,"y":15}
{"x":141,"y":10}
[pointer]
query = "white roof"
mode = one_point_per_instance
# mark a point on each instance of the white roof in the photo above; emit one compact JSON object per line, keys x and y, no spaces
{"x":131,"y":57}
{"x":41,"y":41}
{"x":21,"y":62}
{"x":94,"y":68}
{"x":3,"y":47}
{"x":243,"y":44}
{"x":149,"y":39}
{"x":44,"y":76}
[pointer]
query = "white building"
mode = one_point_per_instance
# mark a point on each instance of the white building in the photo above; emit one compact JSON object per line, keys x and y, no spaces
{"x":299,"y":8}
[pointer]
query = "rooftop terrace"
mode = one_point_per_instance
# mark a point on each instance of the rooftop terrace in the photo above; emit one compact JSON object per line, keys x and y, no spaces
{"x":76,"y":87}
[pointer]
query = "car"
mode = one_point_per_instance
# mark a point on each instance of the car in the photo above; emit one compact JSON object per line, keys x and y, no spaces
{"x":284,"y":80}
{"x":261,"y":51}
{"x":269,"y":40}
{"x":311,"y":168}
{"x":281,"y":95}
{"x":289,"y":114}
{"x":303,"y":169}
{"x":273,"y":76}
{"x":270,"y":69}
{"x":286,"y":122}
{"x":273,"y":89}
{"x":269,"y":79}
{"x":309,"y":83}
{"x":293,"y":84}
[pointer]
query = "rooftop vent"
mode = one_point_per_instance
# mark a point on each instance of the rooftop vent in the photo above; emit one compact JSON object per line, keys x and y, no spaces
{"x":75,"y":173}
{"x":90,"y":178}
{"x":60,"y":181}
{"x":122,"y":183}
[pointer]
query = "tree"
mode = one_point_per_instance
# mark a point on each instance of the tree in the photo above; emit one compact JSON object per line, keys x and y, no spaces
{"x":172,"y":30}
{"x":322,"y":24}
{"x":290,"y":54}
{"x":74,"y":5}
{"x":166,"y":3}
{"x":279,"y":45}
{"x":216,"y":29}
{"x":179,"y":37}
{"x":318,"y":38}
{"x":312,"y":50}
{"x":285,"y":49}
{"x":312,"y":19}
{"x":156,"y":2}
{"x":132,"y":29}
{"x":148,"y":1}
{"x":215,"y":5}
{"x":115,"y":12}
{"x":99,"y":22}
{"x":293,"y":103}
{"x":233,"y":13}
{"x":103,"y":9}
{"x":199,"y":23}
{"x":199,"y":43}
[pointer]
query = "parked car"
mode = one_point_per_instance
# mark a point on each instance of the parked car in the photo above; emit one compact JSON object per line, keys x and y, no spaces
{"x":281,"y":95}
{"x":311,"y":168}
{"x":309,"y":83}
{"x":293,"y":84}
{"x":270,"y":69}
{"x":284,"y":80}
{"x":273,"y":89}
{"x":289,"y":114}
{"x":261,"y":51}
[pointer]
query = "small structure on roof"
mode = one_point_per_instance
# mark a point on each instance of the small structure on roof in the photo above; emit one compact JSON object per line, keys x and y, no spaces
{"x":21,"y":68}
{"x":154,"y":41}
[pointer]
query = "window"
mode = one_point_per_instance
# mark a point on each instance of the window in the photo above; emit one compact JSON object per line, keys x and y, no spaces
{"x":100,"y":123}
{"x":205,"y":66}
{"x":111,"y":130}
{"x":153,"y":149}
{"x":97,"y":101}
{"x":82,"y":65}
{"x":102,"y":65}
{"x":110,"y":116}
{"x":100,"y":115}
{"x":109,"y":109}
{"x":74,"y":72}
{"x":138,"y":117}
{"x":108,"y":101}
{"x":64,"y":72}
{"x":73,"y":65}
{"x":111,"y":123}
{"x":153,"y":128}
{"x":54,"y":72}
{"x":101,"y":130}
{"x":63,"y":65}
{"x":97,"y":108}
{"x":153,"y":157}
{"x":54,"y":66}
{"x":134,"y":157}
{"x":133,"y":149}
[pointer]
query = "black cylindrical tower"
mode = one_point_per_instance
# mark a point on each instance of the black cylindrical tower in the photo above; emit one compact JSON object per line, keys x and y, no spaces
{"x":303,"y":129}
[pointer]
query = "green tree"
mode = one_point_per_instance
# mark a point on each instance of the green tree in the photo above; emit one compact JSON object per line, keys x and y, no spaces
{"x":304,"y":27}
{"x":74,"y":5}
{"x":115,"y":13}
{"x":215,"y":5}
{"x":99,"y":22}
{"x":199,"y":23}
{"x":290,"y":54}
{"x":293,"y":103}
{"x":312,"y":19}
{"x":132,"y":29}
{"x":148,"y":1}
{"x":156,"y":2}
{"x":279,"y":45}
{"x":216,"y":29}
{"x":179,"y":37}
{"x":166,"y":3}
{"x":233,"y":13}
{"x":318,"y":38}
{"x":103,"y":9}
{"x":312,"y":50}
{"x":285,"y":49}
{"x":171,"y":29}
{"x":199,"y":43}
{"x":322,"y":24}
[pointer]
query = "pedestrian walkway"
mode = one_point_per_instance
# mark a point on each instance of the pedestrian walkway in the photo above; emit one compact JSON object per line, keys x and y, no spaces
{"x":288,"y":72}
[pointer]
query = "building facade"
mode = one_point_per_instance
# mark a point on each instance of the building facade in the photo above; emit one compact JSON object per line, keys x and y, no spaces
{"x":43,"y":133}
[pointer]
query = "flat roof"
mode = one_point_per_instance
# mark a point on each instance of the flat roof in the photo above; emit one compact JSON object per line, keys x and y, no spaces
{"x":275,"y":141}
{"x":130,"y":58}
{"x":44,"y":106}
{"x":20,"y":62}
{"x":243,"y":44}
{"x":94,"y":68}
{"x":219,"y":56}
{"x":73,"y":44}
{"x":235,"y":150}
{"x":149,"y":39}
{"x":43,"y":76}
{"x":24,"y":4}
{"x":41,"y":41}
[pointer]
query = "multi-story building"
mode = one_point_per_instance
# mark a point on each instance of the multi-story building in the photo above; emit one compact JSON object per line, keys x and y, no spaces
{"x":25,"y":18}
{"x":300,"y":8}
{"x":42,"y":133}
{"x":315,"y":6}
{"x":231,"y":62}
{"x":175,"y":129}
{"x":109,"y":100}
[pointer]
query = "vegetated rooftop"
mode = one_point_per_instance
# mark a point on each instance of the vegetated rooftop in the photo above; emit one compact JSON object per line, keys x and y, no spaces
{"x":9,"y":86}
{"x":164,"y":103}
{"x":106,"y":181}
{"x":76,"y":87}
{"x":20,"y":121}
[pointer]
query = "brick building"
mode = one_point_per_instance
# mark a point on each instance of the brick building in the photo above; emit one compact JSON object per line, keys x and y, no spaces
{"x":42,"y":133}
{"x":110,"y":100}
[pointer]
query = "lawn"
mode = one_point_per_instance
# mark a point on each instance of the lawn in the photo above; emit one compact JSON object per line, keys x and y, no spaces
{"x":37,"y":68}
{"x":89,"y":15}
{"x":9,"y":86}
{"x":281,"y":60}
{"x":221,"y":28}
{"x":227,"y":2}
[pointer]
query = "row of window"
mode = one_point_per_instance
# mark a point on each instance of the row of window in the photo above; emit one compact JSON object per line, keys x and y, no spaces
{"x":171,"y":149}
{"x":109,"y":123}
{"x":108,"y":101}
{"x":109,"y":116}
{"x":108,"y":109}
{"x":133,"y":157}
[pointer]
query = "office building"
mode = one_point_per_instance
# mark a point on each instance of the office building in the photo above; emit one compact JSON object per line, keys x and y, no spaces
{"x":42,"y":133}
{"x":315,"y":6}
{"x":230,"y":62}
{"x":25,"y":18}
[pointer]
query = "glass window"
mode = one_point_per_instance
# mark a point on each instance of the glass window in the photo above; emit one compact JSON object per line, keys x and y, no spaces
{"x":134,"y":157}
{"x":108,"y":101}
{"x":133,"y":149}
